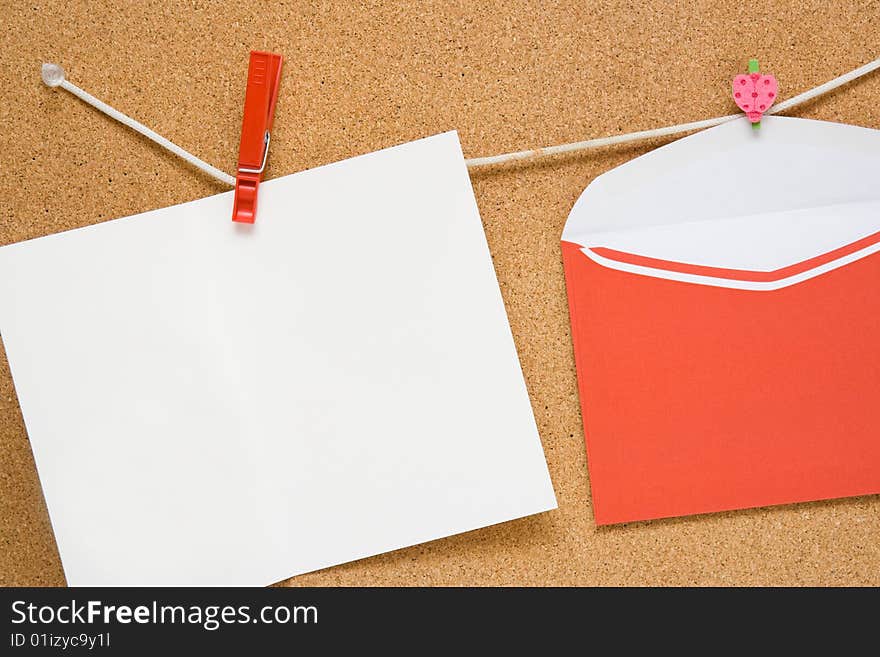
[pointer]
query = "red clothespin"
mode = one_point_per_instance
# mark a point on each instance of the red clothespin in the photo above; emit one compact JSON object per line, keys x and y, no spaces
{"x":264,"y":75}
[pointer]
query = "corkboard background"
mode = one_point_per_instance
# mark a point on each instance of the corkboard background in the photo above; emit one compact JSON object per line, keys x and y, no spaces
{"x":367,"y":75}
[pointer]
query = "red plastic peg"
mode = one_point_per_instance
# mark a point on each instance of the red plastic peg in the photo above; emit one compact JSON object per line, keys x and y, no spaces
{"x":264,"y":75}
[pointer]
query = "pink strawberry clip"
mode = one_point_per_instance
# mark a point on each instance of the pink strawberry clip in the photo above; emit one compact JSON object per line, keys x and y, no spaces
{"x":754,"y":93}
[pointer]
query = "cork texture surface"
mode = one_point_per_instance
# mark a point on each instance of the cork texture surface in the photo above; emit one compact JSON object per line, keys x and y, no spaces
{"x":363,"y":76}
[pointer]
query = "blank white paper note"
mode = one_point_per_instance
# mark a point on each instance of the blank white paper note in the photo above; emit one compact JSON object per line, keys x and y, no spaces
{"x":217,"y":404}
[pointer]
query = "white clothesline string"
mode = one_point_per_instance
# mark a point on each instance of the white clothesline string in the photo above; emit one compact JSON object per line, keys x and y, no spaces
{"x":672,"y":129}
{"x":53,"y":76}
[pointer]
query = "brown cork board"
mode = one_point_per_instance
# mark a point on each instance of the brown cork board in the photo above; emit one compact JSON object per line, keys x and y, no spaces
{"x":364,"y":76}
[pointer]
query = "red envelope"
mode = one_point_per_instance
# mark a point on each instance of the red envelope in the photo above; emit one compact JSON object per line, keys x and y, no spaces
{"x":724,"y":293}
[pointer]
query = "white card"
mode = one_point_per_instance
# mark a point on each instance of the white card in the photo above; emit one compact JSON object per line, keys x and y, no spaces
{"x":217,"y":404}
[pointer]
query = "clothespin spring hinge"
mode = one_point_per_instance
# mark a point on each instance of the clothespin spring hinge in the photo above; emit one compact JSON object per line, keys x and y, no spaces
{"x":266,"y":140}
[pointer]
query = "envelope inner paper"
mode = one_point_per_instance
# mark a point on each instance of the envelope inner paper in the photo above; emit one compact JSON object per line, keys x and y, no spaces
{"x":795,"y":192}
{"x":210,"y":403}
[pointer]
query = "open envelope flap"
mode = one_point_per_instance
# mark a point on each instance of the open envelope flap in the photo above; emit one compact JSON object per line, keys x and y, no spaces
{"x":736,"y":208}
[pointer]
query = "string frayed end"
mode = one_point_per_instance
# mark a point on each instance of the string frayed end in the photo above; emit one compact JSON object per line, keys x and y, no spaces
{"x":53,"y":75}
